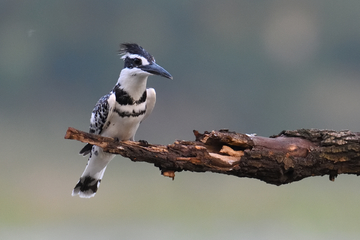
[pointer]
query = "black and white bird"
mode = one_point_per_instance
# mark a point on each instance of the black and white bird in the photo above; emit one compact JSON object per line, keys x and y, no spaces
{"x":119,"y":113}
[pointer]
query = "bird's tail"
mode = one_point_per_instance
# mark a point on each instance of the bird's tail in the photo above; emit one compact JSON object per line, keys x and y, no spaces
{"x":90,"y":179}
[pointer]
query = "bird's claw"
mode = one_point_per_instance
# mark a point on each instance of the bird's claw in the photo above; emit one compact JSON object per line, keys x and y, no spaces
{"x":143,"y":143}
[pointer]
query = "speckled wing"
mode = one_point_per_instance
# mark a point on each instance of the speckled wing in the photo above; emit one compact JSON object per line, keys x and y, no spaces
{"x":99,"y":118}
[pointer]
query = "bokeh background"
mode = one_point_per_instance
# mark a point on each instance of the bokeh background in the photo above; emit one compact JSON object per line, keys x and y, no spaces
{"x":250,"y":66}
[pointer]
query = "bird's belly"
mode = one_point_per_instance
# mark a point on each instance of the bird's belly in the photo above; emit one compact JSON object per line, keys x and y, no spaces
{"x":123,"y":128}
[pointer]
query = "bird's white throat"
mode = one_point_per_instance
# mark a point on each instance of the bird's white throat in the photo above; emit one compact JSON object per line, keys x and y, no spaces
{"x":134,"y":83}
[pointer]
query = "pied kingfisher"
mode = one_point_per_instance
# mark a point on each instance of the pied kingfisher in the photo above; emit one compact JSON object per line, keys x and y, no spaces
{"x":119,"y":113}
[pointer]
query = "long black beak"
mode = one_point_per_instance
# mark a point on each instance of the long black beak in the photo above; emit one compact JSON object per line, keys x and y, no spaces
{"x":155,"y":69}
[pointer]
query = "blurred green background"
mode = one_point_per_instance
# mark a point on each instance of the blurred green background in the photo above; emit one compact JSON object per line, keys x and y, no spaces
{"x":250,"y":66}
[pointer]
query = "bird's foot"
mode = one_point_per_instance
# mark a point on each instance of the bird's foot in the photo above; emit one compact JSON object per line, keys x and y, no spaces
{"x":143,"y":143}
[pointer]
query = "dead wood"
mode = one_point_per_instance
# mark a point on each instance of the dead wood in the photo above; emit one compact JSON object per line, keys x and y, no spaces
{"x":287,"y":157}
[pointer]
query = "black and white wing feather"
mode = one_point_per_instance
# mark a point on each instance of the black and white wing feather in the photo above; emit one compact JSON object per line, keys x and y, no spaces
{"x":150,"y":101}
{"x":100,"y":118}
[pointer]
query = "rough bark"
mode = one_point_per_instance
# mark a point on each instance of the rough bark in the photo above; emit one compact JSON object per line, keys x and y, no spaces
{"x":284,"y":158}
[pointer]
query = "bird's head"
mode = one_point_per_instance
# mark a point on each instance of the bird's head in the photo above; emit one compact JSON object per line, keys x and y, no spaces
{"x":138,"y":62}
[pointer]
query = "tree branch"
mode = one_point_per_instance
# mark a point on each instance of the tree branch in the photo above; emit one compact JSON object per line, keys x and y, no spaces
{"x":287,"y":157}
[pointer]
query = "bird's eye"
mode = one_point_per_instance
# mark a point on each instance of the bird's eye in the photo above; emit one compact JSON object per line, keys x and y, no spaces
{"x":137,"y":61}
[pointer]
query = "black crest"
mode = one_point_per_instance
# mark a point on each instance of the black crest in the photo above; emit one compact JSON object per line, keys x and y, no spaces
{"x":134,"y":48}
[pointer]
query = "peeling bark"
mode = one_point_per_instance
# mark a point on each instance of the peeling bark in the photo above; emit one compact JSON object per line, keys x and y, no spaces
{"x":284,"y":158}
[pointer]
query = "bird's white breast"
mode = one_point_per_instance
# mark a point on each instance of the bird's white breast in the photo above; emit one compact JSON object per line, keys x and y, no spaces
{"x":124,"y":127}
